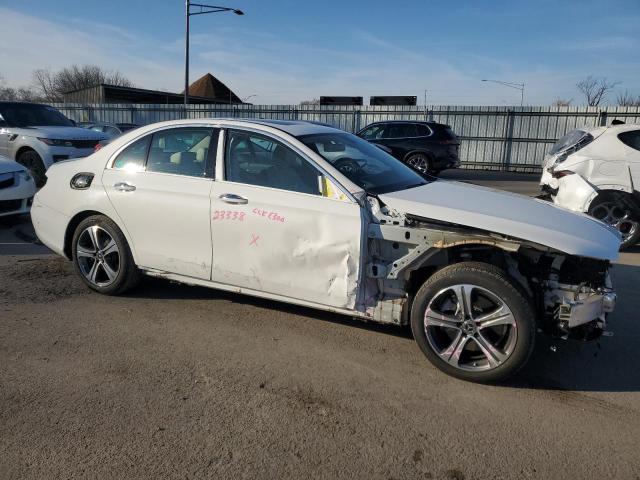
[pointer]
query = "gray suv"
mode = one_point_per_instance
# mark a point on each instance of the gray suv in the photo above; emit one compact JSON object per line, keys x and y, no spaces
{"x":37,"y":136}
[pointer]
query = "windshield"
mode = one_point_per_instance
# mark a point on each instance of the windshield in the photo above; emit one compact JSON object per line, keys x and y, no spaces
{"x":363,"y":163}
{"x":31,"y":115}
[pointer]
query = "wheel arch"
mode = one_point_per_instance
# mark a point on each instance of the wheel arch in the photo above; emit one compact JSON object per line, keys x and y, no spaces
{"x":79,"y":217}
{"x":25,"y":149}
{"x":449,"y":255}
{"x":419,"y":150}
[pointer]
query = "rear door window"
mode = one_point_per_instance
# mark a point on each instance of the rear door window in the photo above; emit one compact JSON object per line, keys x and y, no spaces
{"x":134,"y":156}
{"x":373,"y":132}
{"x":402,"y":130}
{"x":423,"y":130}
{"x":180,"y":151}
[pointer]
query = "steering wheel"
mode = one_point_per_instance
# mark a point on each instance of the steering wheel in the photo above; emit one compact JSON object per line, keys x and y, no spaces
{"x":347,"y":165}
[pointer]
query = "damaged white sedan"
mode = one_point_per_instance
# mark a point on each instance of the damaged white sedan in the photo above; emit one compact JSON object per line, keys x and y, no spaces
{"x":311,"y":215}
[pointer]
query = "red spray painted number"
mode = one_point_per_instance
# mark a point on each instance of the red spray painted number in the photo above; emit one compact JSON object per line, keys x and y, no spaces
{"x":228,"y":215}
{"x":254,"y":239}
{"x":274,"y":216}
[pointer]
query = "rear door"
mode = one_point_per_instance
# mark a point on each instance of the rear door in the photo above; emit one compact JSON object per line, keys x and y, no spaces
{"x":160,"y":186}
{"x":280,"y":226}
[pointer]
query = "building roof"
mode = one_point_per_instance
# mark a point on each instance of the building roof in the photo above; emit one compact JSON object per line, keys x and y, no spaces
{"x":117,"y":93}
{"x":209,"y":86}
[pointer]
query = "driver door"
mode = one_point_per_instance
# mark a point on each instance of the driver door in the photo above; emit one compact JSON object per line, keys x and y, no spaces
{"x":276,"y":228}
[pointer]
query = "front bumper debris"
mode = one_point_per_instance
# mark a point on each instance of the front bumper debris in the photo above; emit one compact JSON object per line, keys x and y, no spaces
{"x":578,"y":311}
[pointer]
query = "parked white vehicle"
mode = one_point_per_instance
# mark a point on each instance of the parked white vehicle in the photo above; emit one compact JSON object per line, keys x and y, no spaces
{"x":597,"y":170}
{"x":312,"y":215}
{"x":16,"y":188}
{"x":37,"y":136}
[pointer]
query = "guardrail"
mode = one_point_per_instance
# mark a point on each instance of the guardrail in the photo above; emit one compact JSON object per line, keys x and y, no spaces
{"x":492,"y":138}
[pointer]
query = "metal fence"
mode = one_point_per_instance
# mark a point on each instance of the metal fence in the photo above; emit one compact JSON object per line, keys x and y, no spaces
{"x":493,"y":138}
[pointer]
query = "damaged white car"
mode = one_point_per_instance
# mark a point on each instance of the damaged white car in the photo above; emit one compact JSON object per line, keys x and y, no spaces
{"x":596,"y":170}
{"x":311,"y":215}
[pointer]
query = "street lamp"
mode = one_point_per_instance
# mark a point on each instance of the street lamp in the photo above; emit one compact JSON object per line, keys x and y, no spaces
{"x":517,"y":86}
{"x":188,"y":13}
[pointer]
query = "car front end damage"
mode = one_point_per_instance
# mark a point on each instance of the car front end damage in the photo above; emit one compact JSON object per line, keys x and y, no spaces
{"x":570,"y":295}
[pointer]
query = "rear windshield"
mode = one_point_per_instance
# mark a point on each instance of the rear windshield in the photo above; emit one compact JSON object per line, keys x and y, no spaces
{"x":567,"y":141}
{"x":32,"y":115}
{"x":449,"y":133}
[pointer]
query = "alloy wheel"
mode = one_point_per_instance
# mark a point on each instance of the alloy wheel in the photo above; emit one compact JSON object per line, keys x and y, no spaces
{"x":470,"y":327}
{"x":98,"y":256}
{"x":420,"y":162}
{"x":618,"y":217}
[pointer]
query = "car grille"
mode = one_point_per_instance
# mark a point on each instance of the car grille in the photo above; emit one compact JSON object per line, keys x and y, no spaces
{"x":10,"y":205}
{"x":84,"y":143}
{"x":7,"y":180}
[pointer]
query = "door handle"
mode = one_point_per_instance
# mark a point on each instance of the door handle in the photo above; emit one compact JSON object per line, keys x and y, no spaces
{"x":124,"y":187}
{"x":233,"y":199}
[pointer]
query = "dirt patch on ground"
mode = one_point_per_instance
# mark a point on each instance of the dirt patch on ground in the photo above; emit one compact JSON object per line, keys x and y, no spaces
{"x":38,"y":280}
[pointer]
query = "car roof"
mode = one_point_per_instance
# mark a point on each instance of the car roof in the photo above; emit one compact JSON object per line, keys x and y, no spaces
{"x":292,"y":127}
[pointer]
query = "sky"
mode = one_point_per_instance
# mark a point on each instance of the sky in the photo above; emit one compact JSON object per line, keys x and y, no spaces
{"x":286,"y":51}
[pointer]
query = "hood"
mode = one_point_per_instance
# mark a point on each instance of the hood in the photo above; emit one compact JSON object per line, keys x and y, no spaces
{"x":8,"y":166}
{"x":508,"y":214}
{"x":61,"y":133}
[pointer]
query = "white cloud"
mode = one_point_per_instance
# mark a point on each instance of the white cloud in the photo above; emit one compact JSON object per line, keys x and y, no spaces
{"x":279,"y":70}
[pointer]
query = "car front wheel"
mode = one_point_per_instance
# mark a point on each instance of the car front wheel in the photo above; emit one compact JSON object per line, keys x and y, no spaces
{"x":32,"y":162}
{"x":473,"y":322}
{"x":102,"y":258}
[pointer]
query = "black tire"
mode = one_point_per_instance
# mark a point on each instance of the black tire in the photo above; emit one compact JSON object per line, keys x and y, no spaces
{"x":486,"y":278}
{"x":608,"y":208}
{"x":32,"y":162}
{"x":127,"y":275}
{"x":420,"y":162}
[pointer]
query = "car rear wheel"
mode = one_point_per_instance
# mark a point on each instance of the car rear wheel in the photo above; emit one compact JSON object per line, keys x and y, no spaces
{"x":473,"y":322}
{"x":420,"y":162}
{"x":32,"y":162}
{"x":102,"y":257}
{"x":615,"y":213}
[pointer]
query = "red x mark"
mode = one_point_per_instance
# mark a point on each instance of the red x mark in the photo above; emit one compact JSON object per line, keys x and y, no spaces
{"x":254,"y":240}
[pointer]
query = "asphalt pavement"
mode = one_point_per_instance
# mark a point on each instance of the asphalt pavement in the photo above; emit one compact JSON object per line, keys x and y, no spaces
{"x":182,"y":382}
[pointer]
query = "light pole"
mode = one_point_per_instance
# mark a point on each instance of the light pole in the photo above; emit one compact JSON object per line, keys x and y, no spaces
{"x":517,"y":86}
{"x":188,"y":13}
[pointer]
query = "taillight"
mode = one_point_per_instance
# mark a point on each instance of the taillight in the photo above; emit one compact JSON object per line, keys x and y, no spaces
{"x":562,"y":173}
{"x":448,"y":142}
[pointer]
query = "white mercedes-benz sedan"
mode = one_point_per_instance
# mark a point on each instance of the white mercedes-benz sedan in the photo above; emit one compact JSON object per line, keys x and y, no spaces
{"x":308,"y":214}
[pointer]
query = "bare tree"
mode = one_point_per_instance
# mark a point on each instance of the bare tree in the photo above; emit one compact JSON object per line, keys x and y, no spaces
{"x":627,"y":99}
{"x":25,"y":94}
{"x":561,"y":102}
{"x":595,"y":89}
{"x":315,"y":101}
{"x":53,"y":85}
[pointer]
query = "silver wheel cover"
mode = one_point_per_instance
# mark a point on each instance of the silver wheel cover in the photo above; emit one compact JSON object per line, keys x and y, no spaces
{"x":98,"y":256}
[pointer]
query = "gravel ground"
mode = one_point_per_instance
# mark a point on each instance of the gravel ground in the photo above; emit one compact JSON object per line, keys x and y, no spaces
{"x":185,"y":382}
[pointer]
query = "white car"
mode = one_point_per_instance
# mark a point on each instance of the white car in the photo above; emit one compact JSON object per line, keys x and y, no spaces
{"x":597,"y":170}
{"x":311,"y":215}
{"x":16,"y":188}
{"x":37,"y":136}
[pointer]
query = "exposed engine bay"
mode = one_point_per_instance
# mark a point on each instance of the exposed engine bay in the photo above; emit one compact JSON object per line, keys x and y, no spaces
{"x":571,"y":295}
